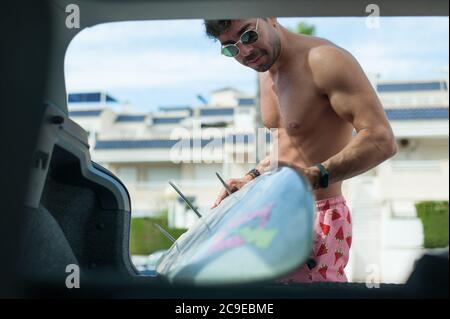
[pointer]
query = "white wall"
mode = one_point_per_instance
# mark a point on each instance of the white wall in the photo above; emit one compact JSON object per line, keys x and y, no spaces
{"x":163,"y":173}
{"x":225,"y":98}
{"x":207,"y":171}
{"x":388,"y":236}
{"x":244,"y":117}
{"x":402,"y":246}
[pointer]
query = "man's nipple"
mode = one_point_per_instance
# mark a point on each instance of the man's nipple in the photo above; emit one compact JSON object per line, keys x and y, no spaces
{"x":294,"y":126}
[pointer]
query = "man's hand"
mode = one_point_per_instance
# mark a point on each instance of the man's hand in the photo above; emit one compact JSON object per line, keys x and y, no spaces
{"x":234,"y":185}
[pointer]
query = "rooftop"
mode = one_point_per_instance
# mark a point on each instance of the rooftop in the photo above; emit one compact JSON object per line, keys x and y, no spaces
{"x":411,"y":86}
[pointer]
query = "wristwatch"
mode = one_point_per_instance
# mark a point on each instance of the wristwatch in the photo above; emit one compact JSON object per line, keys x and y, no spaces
{"x":324,"y":176}
{"x":254,"y":173}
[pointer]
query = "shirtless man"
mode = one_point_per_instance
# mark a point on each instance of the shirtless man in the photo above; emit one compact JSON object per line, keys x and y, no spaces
{"x":315,"y":94}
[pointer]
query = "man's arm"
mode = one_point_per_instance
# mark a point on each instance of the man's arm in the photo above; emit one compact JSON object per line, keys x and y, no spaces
{"x":338,"y":75}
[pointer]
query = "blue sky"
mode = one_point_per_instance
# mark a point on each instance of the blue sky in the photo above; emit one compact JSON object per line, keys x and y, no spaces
{"x":160,"y":63}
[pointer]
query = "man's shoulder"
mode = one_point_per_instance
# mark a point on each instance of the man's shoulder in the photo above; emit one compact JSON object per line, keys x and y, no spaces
{"x":326,"y":53}
{"x":327,"y":62}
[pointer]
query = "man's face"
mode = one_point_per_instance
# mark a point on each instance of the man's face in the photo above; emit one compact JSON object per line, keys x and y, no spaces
{"x":260,"y":55}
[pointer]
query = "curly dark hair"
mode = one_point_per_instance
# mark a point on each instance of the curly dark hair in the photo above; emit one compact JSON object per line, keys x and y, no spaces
{"x":214,"y":28}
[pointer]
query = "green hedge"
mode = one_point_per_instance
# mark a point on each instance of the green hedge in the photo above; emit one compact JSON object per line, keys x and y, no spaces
{"x":145,"y":238}
{"x":434,"y":216}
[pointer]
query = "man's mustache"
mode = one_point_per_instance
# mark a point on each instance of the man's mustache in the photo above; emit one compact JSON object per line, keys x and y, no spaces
{"x":253,"y":56}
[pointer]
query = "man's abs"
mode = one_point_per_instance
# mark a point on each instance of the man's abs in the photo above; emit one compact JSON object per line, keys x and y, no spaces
{"x":301,"y":152}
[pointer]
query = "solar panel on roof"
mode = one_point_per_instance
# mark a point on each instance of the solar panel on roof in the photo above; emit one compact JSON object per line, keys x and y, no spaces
{"x":417,"y":113}
{"x":217,"y":111}
{"x":401,"y":87}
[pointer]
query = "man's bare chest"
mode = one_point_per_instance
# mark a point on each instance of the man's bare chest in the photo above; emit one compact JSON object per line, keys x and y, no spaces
{"x":301,"y":106}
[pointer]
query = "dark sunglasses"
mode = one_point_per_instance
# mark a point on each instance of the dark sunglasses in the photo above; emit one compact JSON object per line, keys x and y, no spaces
{"x":248,"y":37}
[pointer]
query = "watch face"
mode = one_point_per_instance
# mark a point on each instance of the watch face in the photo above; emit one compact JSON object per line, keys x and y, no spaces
{"x":322,"y":182}
{"x":325,"y":180}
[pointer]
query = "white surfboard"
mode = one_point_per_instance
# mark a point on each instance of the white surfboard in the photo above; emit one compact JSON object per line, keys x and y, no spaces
{"x":259,"y":233}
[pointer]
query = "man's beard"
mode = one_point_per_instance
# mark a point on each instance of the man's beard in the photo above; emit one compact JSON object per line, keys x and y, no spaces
{"x":258,"y":53}
{"x":276,"y":49}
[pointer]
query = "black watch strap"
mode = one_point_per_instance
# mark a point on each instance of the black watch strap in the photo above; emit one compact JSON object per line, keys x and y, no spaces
{"x":324,"y":175}
{"x":254,"y":173}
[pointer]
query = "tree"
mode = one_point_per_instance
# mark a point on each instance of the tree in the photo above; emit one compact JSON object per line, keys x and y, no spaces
{"x":304,"y":28}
